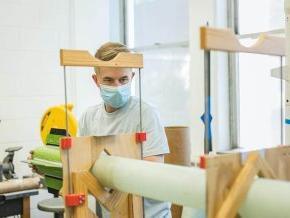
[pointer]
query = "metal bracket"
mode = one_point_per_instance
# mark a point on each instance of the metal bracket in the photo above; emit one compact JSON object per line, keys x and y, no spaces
{"x":73,"y":200}
{"x":65,"y":143}
{"x":141,"y":136}
{"x":202,"y":162}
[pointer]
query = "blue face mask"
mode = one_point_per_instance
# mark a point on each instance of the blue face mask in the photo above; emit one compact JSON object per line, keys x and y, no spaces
{"x":116,"y":96}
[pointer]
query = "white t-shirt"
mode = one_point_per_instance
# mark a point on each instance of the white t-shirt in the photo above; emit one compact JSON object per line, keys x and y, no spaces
{"x":96,"y":121}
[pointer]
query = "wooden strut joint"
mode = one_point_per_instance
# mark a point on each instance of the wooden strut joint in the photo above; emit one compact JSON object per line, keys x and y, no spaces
{"x":82,"y":58}
{"x":228,"y":181}
{"x":221,"y":171}
{"x":255,"y":165}
{"x":226,"y":40}
{"x":109,"y":200}
{"x":240,"y":188}
{"x":84,"y":151}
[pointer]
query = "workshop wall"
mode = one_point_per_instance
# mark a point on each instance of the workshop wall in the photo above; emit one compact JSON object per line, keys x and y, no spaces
{"x":31,"y":33}
{"x":31,"y":80}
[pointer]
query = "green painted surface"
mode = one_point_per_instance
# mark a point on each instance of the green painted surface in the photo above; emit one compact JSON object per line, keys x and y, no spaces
{"x":47,"y":161}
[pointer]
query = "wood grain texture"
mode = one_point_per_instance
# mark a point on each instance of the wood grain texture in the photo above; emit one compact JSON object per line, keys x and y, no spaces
{"x":14,"y":185}
{"x":221,"y":171}
{"x":279,"y":160}
{"x":180,"y":150}
{"x":25,"y":207}
{"x":229,"y":180}
{"x":239,"y":189}
{"x":82,"y":155}
{"x":82,"y":58}
{"x":226,"y":40}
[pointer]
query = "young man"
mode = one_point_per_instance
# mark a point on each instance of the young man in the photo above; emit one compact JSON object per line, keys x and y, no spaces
{"x":119,"y":113}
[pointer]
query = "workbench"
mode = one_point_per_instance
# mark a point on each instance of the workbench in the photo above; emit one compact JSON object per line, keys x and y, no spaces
{"x":16,"y":203}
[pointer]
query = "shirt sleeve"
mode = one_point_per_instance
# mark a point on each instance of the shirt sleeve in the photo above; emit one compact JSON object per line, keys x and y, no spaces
{"x":81,"y":126}
{"x":156,"y":141}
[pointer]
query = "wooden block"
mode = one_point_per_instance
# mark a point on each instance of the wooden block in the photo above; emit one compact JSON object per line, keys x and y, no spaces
{"x":279,"y":160}
{"x":83,"y":58}
{"x":226,"y":40}
{"x":137,"y":206}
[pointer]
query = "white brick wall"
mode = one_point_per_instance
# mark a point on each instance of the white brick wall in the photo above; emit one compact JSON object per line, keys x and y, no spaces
{"x":31,"y":80}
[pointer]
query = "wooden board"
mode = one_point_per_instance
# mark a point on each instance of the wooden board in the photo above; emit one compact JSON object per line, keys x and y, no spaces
{"x":226,"y":40}
{"x":83,"y":58}
{"x":180,"y":150}
{"x":221,"y":171}
{"x":279,"y":160}
{"x":240,"y":188}
{"x":82,"y":155}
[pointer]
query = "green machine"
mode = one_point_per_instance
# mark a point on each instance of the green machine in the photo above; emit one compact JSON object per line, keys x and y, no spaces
{"x":46,"y":159}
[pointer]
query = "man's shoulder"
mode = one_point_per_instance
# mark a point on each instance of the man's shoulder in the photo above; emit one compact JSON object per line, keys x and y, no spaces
{"x":146,"y":106}
{"x":92,"y":110}
{"x":148,"y":110}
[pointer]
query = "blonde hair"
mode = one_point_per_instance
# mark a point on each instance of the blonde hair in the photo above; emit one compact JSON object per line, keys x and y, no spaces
{"x":109,"y":50}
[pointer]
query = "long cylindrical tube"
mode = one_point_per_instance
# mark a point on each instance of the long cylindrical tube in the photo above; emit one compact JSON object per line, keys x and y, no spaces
{"x":164,"y":182}
{"x":186,"y":186}
{"x":14,"y":185}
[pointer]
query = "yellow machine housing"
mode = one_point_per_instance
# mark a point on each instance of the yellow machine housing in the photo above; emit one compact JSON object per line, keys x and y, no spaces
{"x":53,"y":124}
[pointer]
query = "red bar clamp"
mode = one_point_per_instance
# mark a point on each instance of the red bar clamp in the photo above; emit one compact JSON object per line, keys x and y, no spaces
{"x":65,"y":143}
{"x":73,"y":200}
{"x":140,"y":136}
{"x":202,"y":162}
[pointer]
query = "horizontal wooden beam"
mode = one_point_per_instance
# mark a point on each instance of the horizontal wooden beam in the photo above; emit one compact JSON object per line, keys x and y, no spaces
{"x":82,"y":58}
{"x":226,"y":40}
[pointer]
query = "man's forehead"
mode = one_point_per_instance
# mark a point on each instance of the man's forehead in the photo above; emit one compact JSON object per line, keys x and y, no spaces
{"x":115,"y":71}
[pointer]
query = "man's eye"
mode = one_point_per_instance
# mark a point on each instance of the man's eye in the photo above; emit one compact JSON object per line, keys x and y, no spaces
{"x":124,"y":80}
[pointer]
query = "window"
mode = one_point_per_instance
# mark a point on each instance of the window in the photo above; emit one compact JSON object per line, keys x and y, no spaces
{"x":159,"y":30}
{"x":260,"y":94}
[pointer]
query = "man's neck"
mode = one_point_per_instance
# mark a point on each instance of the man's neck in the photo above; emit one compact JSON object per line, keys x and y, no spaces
{"x":110,"y":109}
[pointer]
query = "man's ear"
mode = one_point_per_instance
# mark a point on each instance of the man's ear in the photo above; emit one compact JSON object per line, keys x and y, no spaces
{"x":95,"y":78}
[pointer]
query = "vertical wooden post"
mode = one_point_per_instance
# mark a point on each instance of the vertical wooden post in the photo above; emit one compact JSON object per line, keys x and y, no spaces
{"x":25,"y":207}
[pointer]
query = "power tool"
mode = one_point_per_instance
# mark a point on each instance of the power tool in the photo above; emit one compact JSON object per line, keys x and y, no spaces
{"x":46,"y":159}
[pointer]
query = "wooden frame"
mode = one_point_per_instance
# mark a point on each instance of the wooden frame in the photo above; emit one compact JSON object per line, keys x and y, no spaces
{"x":77,"y":162}
{"x":228,"y":176}
{"x":226,"y":40}
{"x":229,"y":179}
{"x":213,"y":39}
{"x":82,"y":152}
{"x":82,"y":58}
